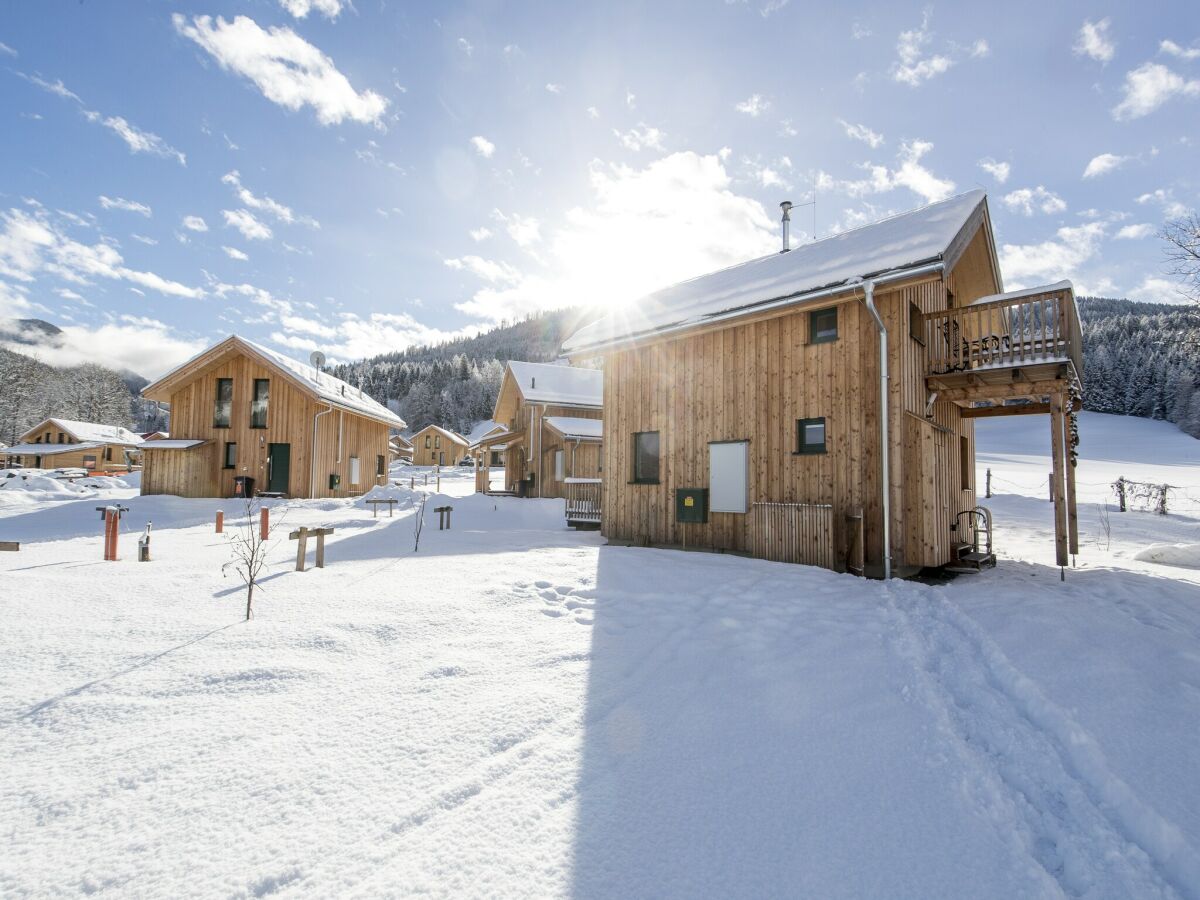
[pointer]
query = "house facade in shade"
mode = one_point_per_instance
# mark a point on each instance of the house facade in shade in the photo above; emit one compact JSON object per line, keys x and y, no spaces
{"x":67,"y":444}
{"x":539,"y":456}
{"x":240,"y":410}
{"x":401,"y":448}
{"x":437,"y":446}
{"x":493,"y":456}
{"x":817,"y":405}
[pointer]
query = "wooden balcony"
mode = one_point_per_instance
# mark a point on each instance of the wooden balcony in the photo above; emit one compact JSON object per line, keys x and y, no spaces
{"x":1022,"y":346}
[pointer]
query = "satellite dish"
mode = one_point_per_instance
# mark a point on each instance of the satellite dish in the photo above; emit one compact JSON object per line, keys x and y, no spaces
{"x":317,"y":359}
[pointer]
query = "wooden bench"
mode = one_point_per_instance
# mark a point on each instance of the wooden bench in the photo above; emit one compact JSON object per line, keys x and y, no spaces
{"x":443,"y":517}
{"x":302,"y":535}
{"x":10,"y":546}
{"x":375,"y":501}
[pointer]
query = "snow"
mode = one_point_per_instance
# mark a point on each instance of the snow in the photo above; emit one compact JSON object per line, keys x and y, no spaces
{"x":91,"y":431}
{"x":899,"y":242}
{"x":1187,"y":555}
{"x":482,"y":429}
{"x":516,"y":709}
{"x":173,"y":444}
{"x":561,"y":384}
{"x":574,"y":428}
{"x":1026,"y":292}
{"x":50,"y":449}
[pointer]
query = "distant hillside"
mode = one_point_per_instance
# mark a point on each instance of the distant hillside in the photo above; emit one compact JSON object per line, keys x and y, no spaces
{"x":30,"y":332}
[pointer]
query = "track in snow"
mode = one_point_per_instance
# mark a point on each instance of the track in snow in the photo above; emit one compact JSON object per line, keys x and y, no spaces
{"x":1032,"y":769}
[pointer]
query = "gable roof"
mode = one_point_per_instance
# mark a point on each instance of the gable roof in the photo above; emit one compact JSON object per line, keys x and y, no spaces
{"x":445,"y":432}
{"x":562,"y":385}
{"x":926,"y":235}
{"x":482,"y":429}
{"x":88,"y":431}
{"x":574,"y":429}
{"x":321,"y":385}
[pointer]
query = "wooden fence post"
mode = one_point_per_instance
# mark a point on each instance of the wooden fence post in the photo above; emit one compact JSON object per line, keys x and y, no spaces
{"x":1120,"y":485}
{"x":111,"y":530}
{"x":988,"y":492}
{"x":264,"y":522}
{"x":220,"y":521}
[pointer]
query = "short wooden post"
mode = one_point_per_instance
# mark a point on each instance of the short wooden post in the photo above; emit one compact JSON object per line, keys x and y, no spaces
{"x":988,"y":491}
{"x":264,"y":522}
{"x":1121,"y":494}
{"x":302,"y":536}
{"x":321,"y":548}
{"x":412,"y":482}
{"x":111,"y":530}
{"x":426,"y":479}
{"x":1058,"y":481}
{"x":10,"y":546}
{"x":1050,"y":485}
{"x":220,"y":521}
{"x":438,"y":488}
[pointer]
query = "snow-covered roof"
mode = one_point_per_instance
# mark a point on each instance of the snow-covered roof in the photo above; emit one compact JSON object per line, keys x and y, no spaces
{"x":482,"y":429}
{"x":91,"y":431}
{"x":446,"y":432}
{"x":173,"y":444}
{"x":1027,"y":292}
{"x":52,"y":449}
{"x":577,"y":429}
{"x":561,"y":384}
{"x":900,"y":242}
{"x":401,"y":441}
{"x":321,"y":384}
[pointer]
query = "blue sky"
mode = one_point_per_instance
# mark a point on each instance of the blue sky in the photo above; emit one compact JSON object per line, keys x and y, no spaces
{"x":360,"y":177}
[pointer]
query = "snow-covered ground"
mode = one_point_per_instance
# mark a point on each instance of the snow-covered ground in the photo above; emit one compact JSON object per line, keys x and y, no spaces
{"x":515,"y":709}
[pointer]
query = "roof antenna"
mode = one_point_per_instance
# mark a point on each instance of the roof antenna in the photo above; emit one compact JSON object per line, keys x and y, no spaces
{"x":786,"y":206}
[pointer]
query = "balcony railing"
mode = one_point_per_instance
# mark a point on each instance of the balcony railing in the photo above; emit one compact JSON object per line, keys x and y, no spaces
{"x":1006,"y":332}
{"x":583,"y":497}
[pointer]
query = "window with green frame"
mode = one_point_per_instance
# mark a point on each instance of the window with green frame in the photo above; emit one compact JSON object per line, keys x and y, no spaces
{"x":645,"y":457}
{"x":810,"y":436}
{"x":823,"y":325}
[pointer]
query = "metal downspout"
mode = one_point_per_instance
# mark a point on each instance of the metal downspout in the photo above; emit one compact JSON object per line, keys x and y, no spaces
{"x":312,"y":481}
{"x":885,"y":462}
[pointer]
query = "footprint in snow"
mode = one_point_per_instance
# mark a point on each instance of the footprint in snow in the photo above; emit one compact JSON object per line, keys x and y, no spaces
{"x":541,"y":584}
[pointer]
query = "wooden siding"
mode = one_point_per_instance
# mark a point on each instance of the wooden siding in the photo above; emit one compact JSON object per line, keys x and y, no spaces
{"x":428,"y":456}
{"x":533,"y":452}
{"x":73,"y":459}
{"x":187,"y":473}
{"x":290,"y":416}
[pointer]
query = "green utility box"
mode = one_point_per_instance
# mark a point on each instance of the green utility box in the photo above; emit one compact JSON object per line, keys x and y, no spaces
{"x":691,"y":505}
{"x":335,"y":482}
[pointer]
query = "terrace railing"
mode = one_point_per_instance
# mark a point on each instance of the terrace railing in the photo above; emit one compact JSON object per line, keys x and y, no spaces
{"x":1003,"y":333}
{"x":793,"y":532}
{"x":584,"y":500}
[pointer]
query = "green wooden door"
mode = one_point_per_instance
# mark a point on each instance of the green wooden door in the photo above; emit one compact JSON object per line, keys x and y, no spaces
{"x":279,"y":467}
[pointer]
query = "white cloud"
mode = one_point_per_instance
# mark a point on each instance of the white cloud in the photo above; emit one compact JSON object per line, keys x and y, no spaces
{"x":1173,"y":49}
{"x":285,"y":67}
{"x":68,"y":294}
{"x":354,"y":337}
{"x":279,"y":210}
{"x":138,"y":141}
{"x":1025,"y":265}
{"x":32,"y":245}
{"x":125,"y":205}
{"x":593,"y":113}
{"x":909,"y":173}
{"x":330,"y":9}
{"x":754,"y":105}
{"x":55,"y":87}
{"x":141,"y":238}
{"x":912,"y":66}
{"x":1093,"y":41}
{"x":1158,"y":290}
{"x":553,"y":88}
{"x":1103,"y":164}
{"x":998,"y":170}
{"x":6,"y":50}
{"x":483,"y":146}
{"x":980,"y":49}
{"x":524,"y":230}
{"x":1148,"y":87}
{"x":1027,"y":200}
{"x":681,"y":205}
{"x":1171,"y":207}
{"x":641,"y":137}
{"x":235,"y":253}
{"x":134,"y":343}
{"x":1135,"y":232}
{"x":862,"y":133}
{"x":630,"y":99}
{"x":485,"y":269}
{"x":194,"y":223}
{"x":243,"y":220}
{"x":466,"y":46}
{"x":480,"y":234}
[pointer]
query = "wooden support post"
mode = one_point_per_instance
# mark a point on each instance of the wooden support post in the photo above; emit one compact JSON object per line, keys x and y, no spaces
{"x":111,"y":530}
{"x":1072,"y":512}
{"x":264,"y":522}
{"x":10,"y":546}
{"x":321,"y":548}
{"x":412,"y":482}
{"x":438,"y":486}
{"x":302,"y":536}
{"x":1058,"y":481}
{"x":220,"y":521}
{"x":988,"y":492}
{"x":1121,"y":494}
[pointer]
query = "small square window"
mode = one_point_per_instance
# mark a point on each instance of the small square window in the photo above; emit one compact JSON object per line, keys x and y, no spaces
{"x":810,"y":436}
{"x":916,"y":324}
{"x":645,"y":457}
{"x":823,"y":325}
{"x":230,"y":455}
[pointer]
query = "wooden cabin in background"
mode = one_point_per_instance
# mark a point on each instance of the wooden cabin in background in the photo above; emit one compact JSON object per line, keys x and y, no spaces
{"x":401,"y":448}
{"x":239,"y":410}
{"x":437,"y":446}
{"x":817,"y":405}
{"x":67,"y":444}
{"x":538,"y":456}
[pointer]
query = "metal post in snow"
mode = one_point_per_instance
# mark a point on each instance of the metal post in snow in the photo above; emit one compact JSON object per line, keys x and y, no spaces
{"x":988,"y":492}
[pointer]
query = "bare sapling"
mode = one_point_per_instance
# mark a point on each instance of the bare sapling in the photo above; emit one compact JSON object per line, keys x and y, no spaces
{"x":419,"y":523}
{"x":1105,"y":526}
{"x":248,"y":546}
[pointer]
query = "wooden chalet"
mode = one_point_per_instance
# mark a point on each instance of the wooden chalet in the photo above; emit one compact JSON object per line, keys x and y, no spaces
{"x":542,"y":408}
{"x":817,"y":405}
{"x":239,"y":410}
{"x":67,"y":444}
{"x":400,"y":448}
{"x":437,"y":446}
{"x":493,"y":456}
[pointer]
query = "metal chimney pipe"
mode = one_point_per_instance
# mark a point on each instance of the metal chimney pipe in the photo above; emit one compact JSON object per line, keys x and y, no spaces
{"x":786,"y":206}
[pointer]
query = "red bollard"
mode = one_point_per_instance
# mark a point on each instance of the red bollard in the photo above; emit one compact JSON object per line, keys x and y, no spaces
{"x":111,"y":530}
{"x":220,"y":521}
{"x":264,"y":526}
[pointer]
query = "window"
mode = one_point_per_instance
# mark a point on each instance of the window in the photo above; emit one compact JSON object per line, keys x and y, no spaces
{"x":380,"y":466}
{"x":62,"y":438}
{"x":108,"y":454}
{"x":964,"y":462}
{"x":810,"y":436}
{"x":437,"y":441}
{"x":728,"y":476}
{"x":822,"y":325}
{"x":230,"y":454}
{"x":89,"y":462}
{"x":559,"y":465}
{"x":258,"y":405}
{"x":355,"y":471}
{"x":428,"y":442}
{"x":645,"y":457}
{"x":223,"y":405}
{"x":916,"y":324}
